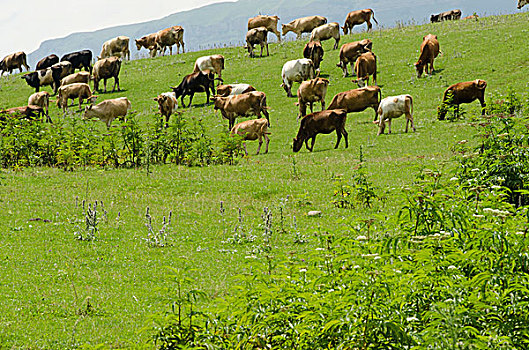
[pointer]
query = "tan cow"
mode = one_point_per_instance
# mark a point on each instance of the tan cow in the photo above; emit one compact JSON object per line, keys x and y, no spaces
{"x":429,"y":51}
{"x":465,"y":92}
{"x":358,"y":17}
{"x":365,"y":66}
{"x":118,"y":47}
{"x":168,"y":37}
{"x":357,"y":100}
{"x":257,"y":36}
{"x":250,"y":103}
{"x":148,"y":42}
{"x":79,"y":77}
{"x":41,"y":99}
{"x":251,"y":130}
{"x":269,"y":22}
{"x":167,"y":104}
{"x":105,"y":69}
{"x":326,"y":32}
{"x":303,"y":25}
{"x":213,"y":63}
{"x":71,"y":92}
{"x":108,"y":110}
{"x":311,"y":91}
{"x":350,"y":52}
{"x":13,"y":61}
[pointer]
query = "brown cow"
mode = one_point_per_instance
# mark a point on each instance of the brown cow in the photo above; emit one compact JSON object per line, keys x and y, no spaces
{"x":30,"y":111}
{"x":323,"y":122}
{"x":350,"y":52}
{"x":252,"y":130}
{"x":71,"y":92}
{"x":314,"y":51}
{"x":105,"y":69}
{"x":358,"y":17}
{"x":269,"y":22}
{"x":257,"y":36}
{"x":250,"y":103}
{"x":474,"y":16}
{"x":311,"y":91}
{"x":234,"y":89}
{"x":465,"y":92}
{"x":429,"y":51}
{"x":365,"y":66}
{"x":13,"y":61}
{"x":303,"y":25}
{"x":167,"y":104}
{"x":148,"y":42}
{"x":357,"y":100}
{"x":168,"y":37}
{"x":326,"y":32}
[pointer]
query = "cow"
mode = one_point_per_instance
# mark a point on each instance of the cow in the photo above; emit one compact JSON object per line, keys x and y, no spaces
{"x":233,"y":89}
{"x":303,"y":25}
{"x":257,"y":36}
{"x":39,"y":78}
{"x":167,"y":104}
{"x":13,"y":61}
{"x":59,"y":71}
{"x":168,"y":37}
{"x":446,"y":16}
{"x":429,"y":51}
{"x":108,"y":110}
{"x":29,"y":112}
{"x":79,"y":59}
{"x":522,"y":3}
{"x":474,"y":16}
{"x":314,"y":51}
{"x":250,"y":103}
{"x":41,"y":99}
{"x":357,"y":100}
{"x":393,"y":107}
{"x":365,"y":66}
{"x":251,"y":130}
{"x":296,"y":71}
{"x":326,"y":32}
{"x":213,"y":63}
{"x":193,"y":83}
{"x":323,"y":122}
{"x":47,"y":62}
{"x":79,"y":77}
{"x":105,"y":69}
{"x":148,"y":42}
{"x":71,"y":92}
{"x":311,"y":91}
{"x":118,"y":47}
{"x":350,"y":52}
{"x":465,"y":92}
{"x":358,"y":17}
{"x":269,"y":22}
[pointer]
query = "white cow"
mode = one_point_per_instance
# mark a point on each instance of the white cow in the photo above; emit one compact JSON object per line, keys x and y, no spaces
{"x":296,"y":71}
{"x":393,"y":107}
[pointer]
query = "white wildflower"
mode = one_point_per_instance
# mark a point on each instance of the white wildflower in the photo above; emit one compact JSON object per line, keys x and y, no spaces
{"x":361,"y":238}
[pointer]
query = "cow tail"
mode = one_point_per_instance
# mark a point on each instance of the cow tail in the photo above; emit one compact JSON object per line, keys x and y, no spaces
{"x":379,"y":95}
{"x":374,"y":19}
{"x":411,"y":107}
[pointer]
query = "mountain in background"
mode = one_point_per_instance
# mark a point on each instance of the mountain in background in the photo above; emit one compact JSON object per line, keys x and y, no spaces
{"x":226,"y":23}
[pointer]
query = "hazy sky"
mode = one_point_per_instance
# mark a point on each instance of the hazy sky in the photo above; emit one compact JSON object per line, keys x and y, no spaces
{"x":24,"y":24}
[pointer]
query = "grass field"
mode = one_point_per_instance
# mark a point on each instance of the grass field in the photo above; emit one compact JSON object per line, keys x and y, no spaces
{"x":59,"y":292}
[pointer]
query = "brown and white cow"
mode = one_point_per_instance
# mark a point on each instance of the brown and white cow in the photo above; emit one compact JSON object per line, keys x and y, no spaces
{"x":105,"y":69}
{"x":79,"y":77}
{"x":251,"y":130}
{"x":365,"y":66}
{"x":167,"y":104}
{"x":169,"y":37}
{"x":311,"y":91}
{"x":446,"y":16}
{"x":357,"y":100}
{"x":522,"y":3}
{"x":314,"y":51}
{"x":326,"y":32}
{"x":108,"y":110}
{"x":234,"y":89}
{"x":323,"y":122}
{"x":358,"y":17}
{"x":350,"y":52}
{"x":41,"y":99}
{"x":257,"y":36}
{"x":303,"y":25}
{"x":148,"y":42}
{"x":465,"y":92}
{"x":429,"y":51}
{"x":250,"y":103}
{"x":269,"y":22}
{"x":118,"y":47}
{"x":213,"y":63}
{"x":393,"y":107}
{"x":13,"y":61}
{"x":71,"y":92}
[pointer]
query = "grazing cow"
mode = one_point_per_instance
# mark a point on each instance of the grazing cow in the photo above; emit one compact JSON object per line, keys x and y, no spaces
{"x":118,"y":47}
{"x":257,"y":36}
{"x":168,"y":37}
{"x":522,"y":3}
{"x":357,"y":100}
{"x":446,"y":16}
{"x":296,"y":71}
{"x":250,"y":103}
{"x":41,"y":99}
{"x":311,"y":91}
{"x":79,"y":77}
{"x":269,"y":22}
{"x":148,"y":42}
{"x":365,"y":66}
{"x":358,"y":17}
{"x":393,"y":107}
{"x":167,"y":104}
{"x":213,"y":63}
{"x":108,"y":110}
{"x":252,"y":130}
{"x":429,"y":51}
{"x":474,"y":16}
{"x":350,"y":52}
{"x":59,"y":71}
{"x":105,"y":69}
{"x":30,"y":111}
{"x":193,"y":83}
{"x":314,"y":51}
{"x":47,"y":62}
{"x":323,"y":122}
{"x":39,"y":78}
{"x":71,"y":92}
{"x":465,"y":92}
{"x":79,"y":59}
{"x":233,"y":89}
{"x":303,"y":25}
{"x":13,"y":61}
{"x":326,"y":32}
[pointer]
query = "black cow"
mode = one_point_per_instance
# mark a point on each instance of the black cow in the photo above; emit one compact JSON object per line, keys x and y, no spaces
{"x":195,"y":82}
{"x":59,"y":71}
{"x":47,"y":61}
{"x":79,"y":59}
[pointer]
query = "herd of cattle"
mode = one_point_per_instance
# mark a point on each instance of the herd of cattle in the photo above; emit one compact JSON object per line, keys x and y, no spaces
{"x":234,"y":100}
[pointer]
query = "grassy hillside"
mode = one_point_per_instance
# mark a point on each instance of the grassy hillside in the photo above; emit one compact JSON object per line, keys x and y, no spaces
{"x":58,"y":292}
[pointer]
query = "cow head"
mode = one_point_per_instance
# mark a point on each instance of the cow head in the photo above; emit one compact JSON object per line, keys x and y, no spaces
{"x":31,"y":79}
{"x":297,"y":144}
{"x":138,"y":44}
{"x":345,"y":29}
{"x":178,"y":91}
{"x":419,"y":66}
{"x":480,"y":84}
{"x":285,"y":28}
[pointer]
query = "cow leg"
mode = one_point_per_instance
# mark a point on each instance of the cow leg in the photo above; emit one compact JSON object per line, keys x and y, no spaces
{"x":207,"y":96}
{"x":182,"y":100}
{"x":267,"y":52}
{"x":322,"y":104}
{"x":336,"y":41}
{"x":369,"y":26}
{"x":312,"y":143}
{"x":262,"y":47}
{"x":191,"y":98}
{"x":105,"y":84}
{"x":260,"y":144}
{"x":311,"y":105}
{"x":167,"y":120}
{"x":338,"y":138}
{"x":375,"y":78}
{"x":381,"y":126}
{"x":389,"y":126}
{"x":267,"y":139}
{"x":483,"y":105}
{"x":376,"y":112}
{"x":80,"y":103}
{"x":245,"y":150}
